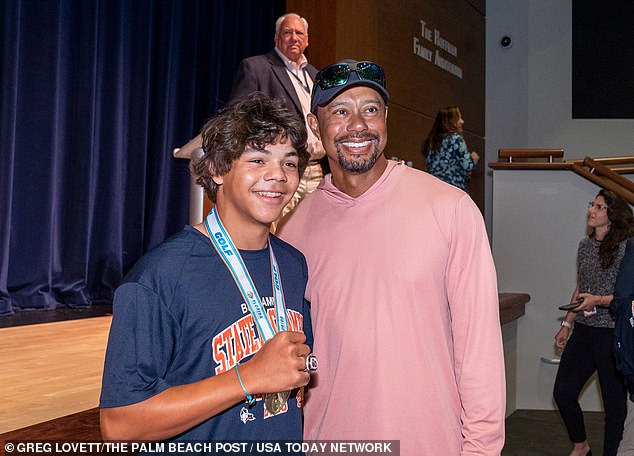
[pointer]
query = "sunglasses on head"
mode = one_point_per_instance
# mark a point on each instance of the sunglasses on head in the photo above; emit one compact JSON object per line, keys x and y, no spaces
{"x":339,"y":73}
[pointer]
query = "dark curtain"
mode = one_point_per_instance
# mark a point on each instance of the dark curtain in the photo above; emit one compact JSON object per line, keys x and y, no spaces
{"x":94,"y":95}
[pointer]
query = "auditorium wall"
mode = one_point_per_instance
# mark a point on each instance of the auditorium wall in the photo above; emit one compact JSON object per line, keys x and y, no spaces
{"x":528,"y":105}
{"x":433,"y":54}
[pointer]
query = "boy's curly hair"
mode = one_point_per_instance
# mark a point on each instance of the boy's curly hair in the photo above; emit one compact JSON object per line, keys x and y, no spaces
{"x":256,"y":121}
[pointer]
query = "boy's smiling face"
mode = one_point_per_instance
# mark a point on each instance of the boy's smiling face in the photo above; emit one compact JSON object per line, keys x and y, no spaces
{"x":258,"y":186}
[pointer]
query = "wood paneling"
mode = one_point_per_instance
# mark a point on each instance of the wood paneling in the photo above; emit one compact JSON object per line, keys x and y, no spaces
{"x":80,"y":426}
{"x":385,"y":32}
{"x":422,"y":86}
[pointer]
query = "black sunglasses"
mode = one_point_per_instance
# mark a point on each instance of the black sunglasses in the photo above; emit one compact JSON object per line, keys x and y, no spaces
{"x":339,"y":73}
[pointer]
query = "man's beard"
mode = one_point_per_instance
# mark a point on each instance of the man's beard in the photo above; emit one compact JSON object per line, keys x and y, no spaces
{"x":356,"y":166}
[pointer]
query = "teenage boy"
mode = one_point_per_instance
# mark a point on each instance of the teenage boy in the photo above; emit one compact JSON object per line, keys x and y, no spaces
{"x":216,"y":313}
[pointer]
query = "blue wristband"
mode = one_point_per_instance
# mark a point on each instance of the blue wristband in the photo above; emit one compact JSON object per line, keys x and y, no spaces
{"x":250,"y":399}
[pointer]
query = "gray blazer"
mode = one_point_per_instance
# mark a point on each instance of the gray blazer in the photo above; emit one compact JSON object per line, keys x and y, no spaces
{"x":267,"y":73}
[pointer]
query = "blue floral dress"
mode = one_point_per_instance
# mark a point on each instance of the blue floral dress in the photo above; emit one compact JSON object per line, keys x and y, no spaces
{"x":452,"y":162}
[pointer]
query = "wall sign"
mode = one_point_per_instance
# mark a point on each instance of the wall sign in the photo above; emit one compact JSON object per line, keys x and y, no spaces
{"x":441,"y":52}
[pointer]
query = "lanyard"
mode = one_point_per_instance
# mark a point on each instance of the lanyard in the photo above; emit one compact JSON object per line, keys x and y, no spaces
{"x":230,"y":255}
{"x":303,"y":83}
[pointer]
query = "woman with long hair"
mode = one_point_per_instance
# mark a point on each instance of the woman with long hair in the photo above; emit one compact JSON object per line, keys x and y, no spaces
{"x":589,"y":347}
{"x":445,"y":150}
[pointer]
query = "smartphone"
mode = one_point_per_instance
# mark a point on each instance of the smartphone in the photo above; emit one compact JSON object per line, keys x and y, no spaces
{"x":572,"y":305}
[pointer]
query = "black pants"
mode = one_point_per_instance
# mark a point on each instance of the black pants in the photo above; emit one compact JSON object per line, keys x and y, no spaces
{"x":591,"y":349}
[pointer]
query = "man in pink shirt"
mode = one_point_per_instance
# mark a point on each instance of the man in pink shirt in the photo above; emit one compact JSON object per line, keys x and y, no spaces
{"x":402,"y":288}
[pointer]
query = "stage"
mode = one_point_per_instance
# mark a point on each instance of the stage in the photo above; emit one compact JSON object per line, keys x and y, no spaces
{"x":50,"y":370}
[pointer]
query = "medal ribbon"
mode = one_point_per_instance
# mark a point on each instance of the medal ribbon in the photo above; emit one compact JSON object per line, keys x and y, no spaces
{"x":230,"y":255}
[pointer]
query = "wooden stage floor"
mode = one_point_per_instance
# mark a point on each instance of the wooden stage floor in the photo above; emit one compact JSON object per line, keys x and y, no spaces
{"x":50,"y":370}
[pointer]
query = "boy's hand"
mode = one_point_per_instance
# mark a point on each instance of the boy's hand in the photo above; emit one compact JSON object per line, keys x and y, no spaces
{"x":278,"y":366}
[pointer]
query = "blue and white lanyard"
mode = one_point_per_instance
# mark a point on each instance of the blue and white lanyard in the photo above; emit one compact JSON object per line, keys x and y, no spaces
{"x":225,"y":247}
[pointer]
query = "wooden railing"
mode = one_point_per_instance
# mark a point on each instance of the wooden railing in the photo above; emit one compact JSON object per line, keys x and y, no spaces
{"x":524,"y":154}
{"x":604,"y":172}
{"x":530,"y":159}
{"x":613,"y":163}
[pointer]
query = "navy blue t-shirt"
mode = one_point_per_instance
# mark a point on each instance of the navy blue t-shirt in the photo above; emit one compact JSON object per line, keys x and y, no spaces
{"x":178,"y":318}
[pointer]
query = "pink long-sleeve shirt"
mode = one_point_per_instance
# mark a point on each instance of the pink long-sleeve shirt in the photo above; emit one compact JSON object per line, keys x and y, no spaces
{"x":405,"y":316}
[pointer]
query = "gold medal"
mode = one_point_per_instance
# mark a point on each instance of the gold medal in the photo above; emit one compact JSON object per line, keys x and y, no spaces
{"x":274,"y":402}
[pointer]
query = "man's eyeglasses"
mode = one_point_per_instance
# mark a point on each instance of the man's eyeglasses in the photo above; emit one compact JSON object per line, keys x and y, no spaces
{"x":599,"y":207}
{"x":339,"y":73}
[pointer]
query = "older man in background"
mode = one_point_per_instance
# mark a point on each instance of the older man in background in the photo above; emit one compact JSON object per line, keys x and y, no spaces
{"x":283,"y":73}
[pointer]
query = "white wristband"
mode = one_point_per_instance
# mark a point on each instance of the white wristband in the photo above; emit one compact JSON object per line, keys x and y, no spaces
{"x":566,"y":324}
